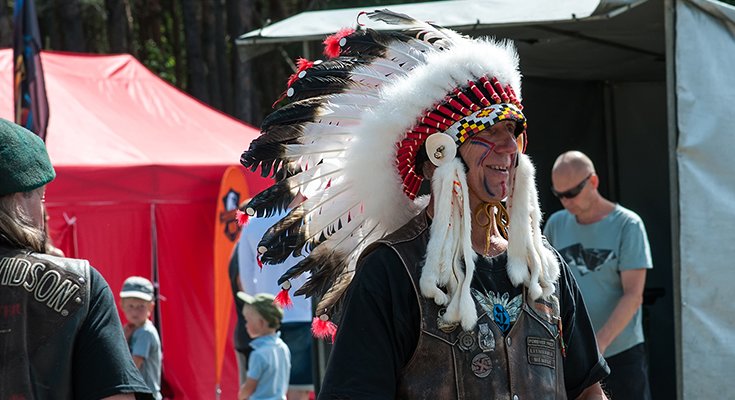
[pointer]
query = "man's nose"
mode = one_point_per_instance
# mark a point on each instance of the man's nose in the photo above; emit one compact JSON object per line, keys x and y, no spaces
{"x":506,"y":144}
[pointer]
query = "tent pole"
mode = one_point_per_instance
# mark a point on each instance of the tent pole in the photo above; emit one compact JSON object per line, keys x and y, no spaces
{"x":154,"y":271}
{"x":608,"y":104}
{"x":673,"y":136}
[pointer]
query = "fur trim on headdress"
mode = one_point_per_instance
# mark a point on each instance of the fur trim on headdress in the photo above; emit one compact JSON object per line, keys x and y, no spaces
{"x":529,"y":262}
{"x":450,"y":259}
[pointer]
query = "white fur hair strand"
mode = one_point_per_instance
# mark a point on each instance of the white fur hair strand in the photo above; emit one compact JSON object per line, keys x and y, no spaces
{"x":529,"y":261}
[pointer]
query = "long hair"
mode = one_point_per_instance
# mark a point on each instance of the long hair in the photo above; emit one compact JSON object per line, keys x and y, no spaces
{"x":16,"y":226}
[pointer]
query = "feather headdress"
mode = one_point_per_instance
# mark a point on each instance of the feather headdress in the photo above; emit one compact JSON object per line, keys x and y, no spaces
{"x":344,"y":155}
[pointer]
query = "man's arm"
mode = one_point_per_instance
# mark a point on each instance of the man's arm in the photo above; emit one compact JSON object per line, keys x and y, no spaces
{"x":633,"y":282}
{"x":593,"y":392}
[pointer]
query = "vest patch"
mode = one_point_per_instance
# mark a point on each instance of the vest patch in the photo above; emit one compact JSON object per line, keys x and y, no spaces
{"x":541,"y":351}
{"x":482,"y":365}
{"x":485,"y":338}
{"x":49,"y":287}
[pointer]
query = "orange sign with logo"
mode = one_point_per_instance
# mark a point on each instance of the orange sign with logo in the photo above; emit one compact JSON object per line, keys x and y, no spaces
{"x":233,"y":191}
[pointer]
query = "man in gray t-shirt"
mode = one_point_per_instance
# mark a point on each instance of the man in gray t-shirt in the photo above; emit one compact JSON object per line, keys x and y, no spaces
{"x":607,"y":249}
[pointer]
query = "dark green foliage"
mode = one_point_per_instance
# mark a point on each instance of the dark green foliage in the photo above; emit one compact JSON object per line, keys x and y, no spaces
{"x":189,"y":43}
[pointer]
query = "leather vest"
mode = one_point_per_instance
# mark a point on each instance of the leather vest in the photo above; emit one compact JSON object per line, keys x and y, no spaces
{"x":449,"y":363}
{"x":43,"y":302}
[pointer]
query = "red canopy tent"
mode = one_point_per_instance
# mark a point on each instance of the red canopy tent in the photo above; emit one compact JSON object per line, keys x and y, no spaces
{"x":138,"y":168}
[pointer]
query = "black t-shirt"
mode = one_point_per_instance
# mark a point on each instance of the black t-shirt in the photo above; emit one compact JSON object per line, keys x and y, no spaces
{"x":379,"y":330}
{"x":240,"y":338}
{"x":102,"y":364}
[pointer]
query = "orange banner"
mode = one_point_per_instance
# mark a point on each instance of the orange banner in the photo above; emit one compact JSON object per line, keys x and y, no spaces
{"x":233,"y":190}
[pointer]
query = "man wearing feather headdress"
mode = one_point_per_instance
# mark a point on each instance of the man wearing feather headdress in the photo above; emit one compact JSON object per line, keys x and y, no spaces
{"x":441,"y":296}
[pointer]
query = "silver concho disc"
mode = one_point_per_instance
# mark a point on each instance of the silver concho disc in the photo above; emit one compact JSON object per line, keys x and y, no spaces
{"x":466,"y":341}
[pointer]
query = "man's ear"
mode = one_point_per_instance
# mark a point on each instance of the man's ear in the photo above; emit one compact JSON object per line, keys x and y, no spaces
{"x":595,"y":181}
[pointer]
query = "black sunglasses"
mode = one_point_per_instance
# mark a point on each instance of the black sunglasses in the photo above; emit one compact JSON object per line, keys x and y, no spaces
{"x":573,"y":192}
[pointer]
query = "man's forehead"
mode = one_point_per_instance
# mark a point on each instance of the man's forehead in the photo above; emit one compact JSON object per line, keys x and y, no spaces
{"x":571,"y":170}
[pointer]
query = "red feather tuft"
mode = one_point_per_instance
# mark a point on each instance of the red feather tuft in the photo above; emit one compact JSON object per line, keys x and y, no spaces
{"x":302,"y":64}
{"x":323,"y":329}
{"x":242,"y":218}
{"x":283,"y":299}
{"x":260,"y":263}
{"x":332,"y":48}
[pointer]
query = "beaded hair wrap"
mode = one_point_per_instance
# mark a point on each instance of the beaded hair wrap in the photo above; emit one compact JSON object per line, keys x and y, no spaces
{"x":343,"y":153}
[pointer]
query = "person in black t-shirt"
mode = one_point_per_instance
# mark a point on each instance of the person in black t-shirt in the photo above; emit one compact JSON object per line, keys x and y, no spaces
{"x":60,"y":331}
{"x":440,"y":297}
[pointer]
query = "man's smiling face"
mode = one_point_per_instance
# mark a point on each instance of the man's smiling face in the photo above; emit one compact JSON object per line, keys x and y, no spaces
{"x":490,"y":156}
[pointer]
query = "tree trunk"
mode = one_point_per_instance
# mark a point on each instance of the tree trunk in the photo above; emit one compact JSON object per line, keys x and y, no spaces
{"x":220,"y":47}
{"x":70,"y":15}
{"x":196,"y":76}
{"x":173,"y":31}
{"x":6,"y":25}
{"x":240,"y":19}
{"x":210,"y":57}
{"x":149,"y":26}
{"x":117,"y":26}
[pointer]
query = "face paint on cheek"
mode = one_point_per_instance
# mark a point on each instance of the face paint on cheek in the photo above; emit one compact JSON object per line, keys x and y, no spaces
{"x":488,"y":145}
{"x":487,"y":189}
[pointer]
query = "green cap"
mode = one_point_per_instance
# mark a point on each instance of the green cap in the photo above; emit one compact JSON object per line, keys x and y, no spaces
{"x":264,"y":305}
{"x":24,"y":162}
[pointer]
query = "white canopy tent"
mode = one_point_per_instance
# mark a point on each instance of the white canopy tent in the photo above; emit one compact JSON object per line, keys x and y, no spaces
{"x":645,"y":88}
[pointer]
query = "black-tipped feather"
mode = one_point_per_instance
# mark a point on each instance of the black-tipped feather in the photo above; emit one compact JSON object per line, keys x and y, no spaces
{"x":391,"y":17}
{"x":323,"y":270}
{"x":308,"y":242}
{"x":277,"y":197}
{"x":268,"y":150}
{"x":337,"y":64}
{"x":260,"y":152}
{"x":280,"y":128}
{"x":369,"y":43}
{"x":280,"y":239}
{"x":293,"y":113}
{"x":315,"y":86}
{"x":422,"y":31}
{"x":273,"y":200}
{"x":331,"y":298}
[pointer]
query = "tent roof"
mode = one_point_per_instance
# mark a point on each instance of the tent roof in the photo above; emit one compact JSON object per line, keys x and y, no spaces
{"x":575,"y":39}
{"x":456,"y":14}
{"x":112,"y":111}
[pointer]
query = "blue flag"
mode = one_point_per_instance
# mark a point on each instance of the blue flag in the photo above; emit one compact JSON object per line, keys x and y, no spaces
{"x":31,"y":105}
